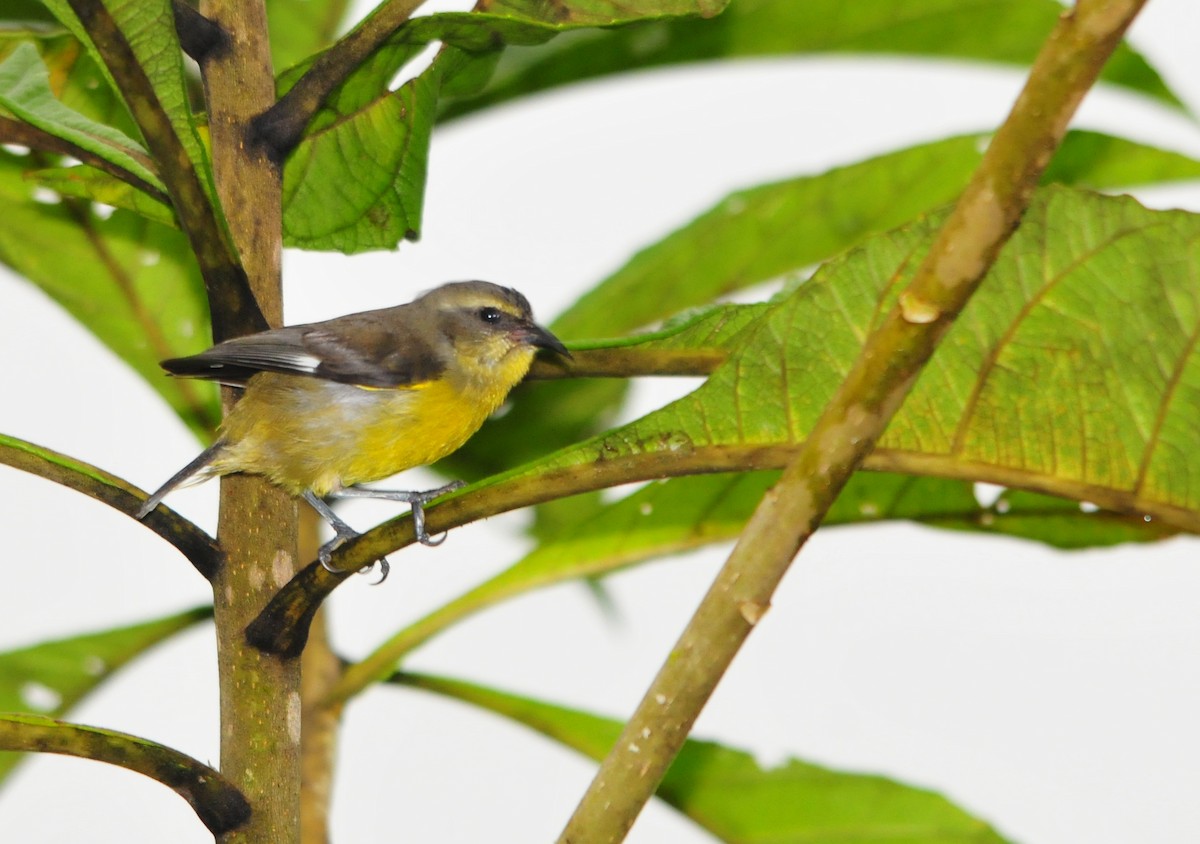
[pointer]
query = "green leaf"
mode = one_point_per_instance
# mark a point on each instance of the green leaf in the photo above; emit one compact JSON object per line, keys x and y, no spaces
{"x":26,"y":11}
{"x":1073,"y":371}
{"x":85,"y":182}
{"x":301,"y":29}
{"x":765,"y":233}
{"x":1006,"y":31}
{"x":771,"y":231}
{"x":51,"y":677}
{"x":76,"y":80}
{"x":132,"y":283}
{"x":681,"y":514}
{"x":25,"y":93}
{"x":727,"y":792}
{"x":356,"y":182}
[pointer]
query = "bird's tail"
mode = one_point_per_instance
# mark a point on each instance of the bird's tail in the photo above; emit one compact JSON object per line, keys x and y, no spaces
{"x":191,"y":473}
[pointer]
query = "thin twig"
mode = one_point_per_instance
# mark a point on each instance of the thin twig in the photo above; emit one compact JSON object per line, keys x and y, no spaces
{"x":854,"y":419}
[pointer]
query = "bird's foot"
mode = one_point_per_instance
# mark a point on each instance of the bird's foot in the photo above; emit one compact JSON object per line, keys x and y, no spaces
{"x":414,"y":499}
{"x":342,"y":533}
{"x":325,"y":555}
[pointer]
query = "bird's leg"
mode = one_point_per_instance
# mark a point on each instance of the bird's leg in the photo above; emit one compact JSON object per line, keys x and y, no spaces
{"x":416,"y":500}
{"x":344,"y":532}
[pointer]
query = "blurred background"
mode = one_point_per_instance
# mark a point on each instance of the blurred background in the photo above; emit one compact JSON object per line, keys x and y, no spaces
{"x":1052,"y":694}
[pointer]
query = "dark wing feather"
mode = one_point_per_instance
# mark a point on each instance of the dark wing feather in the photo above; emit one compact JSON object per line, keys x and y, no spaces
{"x":385,"y":348}
{"x":372,"y":353}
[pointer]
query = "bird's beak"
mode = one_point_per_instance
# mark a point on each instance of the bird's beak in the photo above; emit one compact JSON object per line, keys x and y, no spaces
{"x":535,"y":335}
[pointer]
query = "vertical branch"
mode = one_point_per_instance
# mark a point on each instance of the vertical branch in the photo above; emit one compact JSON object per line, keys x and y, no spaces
{"x":260,"y":694}
{"x":320,"y":671}
{"x":888,"y":366}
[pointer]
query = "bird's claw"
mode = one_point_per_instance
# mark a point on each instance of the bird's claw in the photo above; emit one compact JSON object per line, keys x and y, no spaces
{"x":418,"y":514}
{"x":325,"y":555}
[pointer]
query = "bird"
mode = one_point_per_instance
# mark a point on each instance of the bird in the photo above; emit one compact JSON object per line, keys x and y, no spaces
{"x":329,"y":406}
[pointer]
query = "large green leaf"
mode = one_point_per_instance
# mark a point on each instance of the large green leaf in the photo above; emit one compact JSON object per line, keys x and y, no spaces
{"x":1005,"y":31}
{"x":1073,"y":371}
{"x":727,"y":792}
{"x":25,"y":93}
{"x":765,"y":233}
{"x":132,"y":283}
{"x":51,"y":677}
{"x":356,"y":181}
{"x":768,"y":232}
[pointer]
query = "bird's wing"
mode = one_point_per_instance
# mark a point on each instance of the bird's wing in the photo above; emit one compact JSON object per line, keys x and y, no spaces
{"x":371,"y":350}
{"x":364,"y":349}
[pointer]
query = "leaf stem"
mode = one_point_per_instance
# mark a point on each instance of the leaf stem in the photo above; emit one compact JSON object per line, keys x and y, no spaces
{"x":982,"y":221}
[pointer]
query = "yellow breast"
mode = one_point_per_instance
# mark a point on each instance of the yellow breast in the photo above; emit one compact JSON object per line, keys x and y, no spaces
{"x":416,"y":427}
{"x":309,"y":434}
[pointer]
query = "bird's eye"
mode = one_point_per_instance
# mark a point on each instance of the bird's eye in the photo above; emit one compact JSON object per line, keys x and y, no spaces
{"x":491,"y":315}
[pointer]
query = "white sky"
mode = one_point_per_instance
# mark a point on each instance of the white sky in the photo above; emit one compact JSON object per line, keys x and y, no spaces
{"x":1053,"y":695}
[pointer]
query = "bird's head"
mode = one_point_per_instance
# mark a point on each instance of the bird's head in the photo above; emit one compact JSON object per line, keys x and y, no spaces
{"x":487,"y":324}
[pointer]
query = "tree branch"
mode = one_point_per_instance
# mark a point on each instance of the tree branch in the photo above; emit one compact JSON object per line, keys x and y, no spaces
{"x":196,"y":545}
{"x":199,"y":37}
{"x":219,"y":805}
{"x":627,"y":362}
{"x":890,"y":361}
{"x":261,"y":708}
{"x":282,"y":626}
{"x":281,"y":126}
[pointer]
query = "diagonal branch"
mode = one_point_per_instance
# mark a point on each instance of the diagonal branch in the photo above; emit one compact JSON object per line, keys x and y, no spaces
{"x":281,"y":126}
{"x":892,"y":358}
{"x":234,"y":308}
{"x":199,"y":548}
{"x":282,"y":626}
{"x":219,"y":805}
